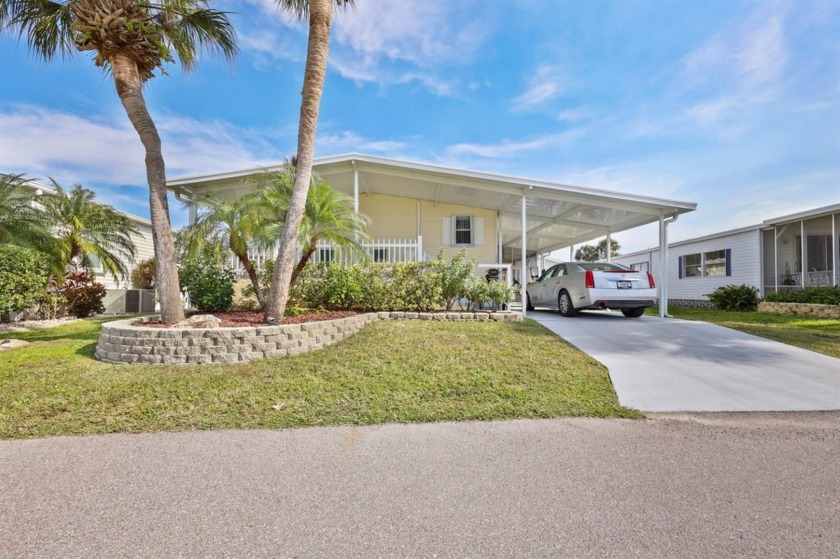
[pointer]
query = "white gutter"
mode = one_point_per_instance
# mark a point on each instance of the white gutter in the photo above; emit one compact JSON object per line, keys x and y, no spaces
{"x":663,"y":263}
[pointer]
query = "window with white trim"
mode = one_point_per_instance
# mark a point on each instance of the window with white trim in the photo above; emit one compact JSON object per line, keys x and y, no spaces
{"x":326,"y":255}
{"x":463,"y":230}
{"x":714,"y":263}
{"x":692,"y":265}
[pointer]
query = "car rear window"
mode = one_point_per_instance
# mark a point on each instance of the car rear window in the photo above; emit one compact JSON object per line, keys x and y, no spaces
{"x":604,"y":267}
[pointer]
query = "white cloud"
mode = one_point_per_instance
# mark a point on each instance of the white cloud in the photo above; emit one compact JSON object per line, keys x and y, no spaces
{"x":350,"y":141}
{"x":508,"y":148}
{"x":544,"y":85}
{"x":576,"y":114}
{"x":40,"y":142}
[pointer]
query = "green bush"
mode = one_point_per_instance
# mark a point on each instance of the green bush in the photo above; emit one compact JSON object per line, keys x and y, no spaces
{"x":735,"y":298}
{"x":143,"y":275}
{"x":208,"y":282}
{"x":499,"y":293}
{"x":83,"y":294}
{"x":455,"y":277}
{"x":814,"y":295}
{"x":23,"y":278}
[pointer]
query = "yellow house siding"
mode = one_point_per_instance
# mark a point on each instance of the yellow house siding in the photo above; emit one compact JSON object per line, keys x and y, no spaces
{"x":392,"y":217}
{"x":432,"y":217}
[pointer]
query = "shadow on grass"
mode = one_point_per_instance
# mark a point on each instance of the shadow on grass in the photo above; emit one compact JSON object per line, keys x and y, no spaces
{"x":87,"y":350}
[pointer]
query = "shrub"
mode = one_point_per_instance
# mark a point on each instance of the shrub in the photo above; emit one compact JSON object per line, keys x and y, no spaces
{"x":208,"y":282}
{"x":455,"y":278}
{"x":499,"y":293}
{"x":814,"y":295}
{"x":83,"y":293}
{"x":735,"y":298}
{"x":23,"y":277}
{"x":143,"y":275}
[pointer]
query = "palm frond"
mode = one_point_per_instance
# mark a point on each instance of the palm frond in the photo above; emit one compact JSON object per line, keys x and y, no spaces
{"x":299,"y":9}
{"x":45,"y":24}
{"x":189,"y":27}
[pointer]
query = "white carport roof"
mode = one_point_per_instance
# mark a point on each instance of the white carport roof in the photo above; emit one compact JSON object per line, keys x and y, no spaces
{"x":556,"y":215}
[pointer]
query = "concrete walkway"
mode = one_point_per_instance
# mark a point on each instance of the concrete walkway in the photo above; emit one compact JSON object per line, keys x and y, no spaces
{"x":665,"y":364}
{"x":743,"y":485}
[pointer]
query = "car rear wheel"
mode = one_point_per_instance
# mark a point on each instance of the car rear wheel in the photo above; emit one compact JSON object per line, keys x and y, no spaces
{"x":633,"y":313}
{"x":528,"y":305}
{"x":564,"y":304}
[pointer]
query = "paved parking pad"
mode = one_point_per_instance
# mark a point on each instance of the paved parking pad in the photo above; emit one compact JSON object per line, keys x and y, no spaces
{"x":665,"y":364}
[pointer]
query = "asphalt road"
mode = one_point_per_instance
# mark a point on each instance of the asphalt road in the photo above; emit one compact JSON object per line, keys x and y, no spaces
{"x":666,"y":364}
{"x":718,"y":485}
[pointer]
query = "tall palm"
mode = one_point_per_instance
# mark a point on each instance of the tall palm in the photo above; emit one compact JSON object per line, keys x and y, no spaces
{"x":21,"y":221}
{"x":131,"y":39}
{"x":320,"y":14}
{"x":228,"y":223}
{"x":85,"y":229}
{"x":328,"y":216}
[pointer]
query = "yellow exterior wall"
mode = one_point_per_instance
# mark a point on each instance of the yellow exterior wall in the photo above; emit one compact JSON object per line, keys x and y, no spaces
{"x":431,"y":218}
{"x":392,"y":217}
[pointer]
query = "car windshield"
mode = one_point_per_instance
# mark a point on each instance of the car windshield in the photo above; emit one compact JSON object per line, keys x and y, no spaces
{"x":603,"y":267}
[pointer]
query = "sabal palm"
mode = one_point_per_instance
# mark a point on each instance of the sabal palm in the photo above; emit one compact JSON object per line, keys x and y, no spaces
{"x":21,"y":221}
{"x":328,"y":216}
{"x":132,"y":40}
{"x":320,"y":14}
{"x":84,"y":228}
{"x":228,"y":223}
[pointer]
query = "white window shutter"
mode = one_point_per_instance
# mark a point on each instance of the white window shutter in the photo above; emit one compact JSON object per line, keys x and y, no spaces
{"x":478,"y":231}
{"x":447,"y":228}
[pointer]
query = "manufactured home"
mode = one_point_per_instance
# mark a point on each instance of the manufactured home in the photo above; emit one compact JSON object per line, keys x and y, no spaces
{"x":780,"y":254}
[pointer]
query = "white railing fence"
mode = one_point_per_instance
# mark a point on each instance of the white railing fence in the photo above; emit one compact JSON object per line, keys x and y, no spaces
{"x":378,"y":250}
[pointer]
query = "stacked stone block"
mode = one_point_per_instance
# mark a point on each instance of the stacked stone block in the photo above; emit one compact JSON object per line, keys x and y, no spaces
{"x":807,"y":309}
{"x":123,"y":341}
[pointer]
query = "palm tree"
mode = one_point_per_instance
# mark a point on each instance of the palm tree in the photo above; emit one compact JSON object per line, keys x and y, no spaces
{"x":592,"y":253}
{"x":225,"y":222}
{"x":85,"y":229}
{"x":328,"y":216}
{"x":21,"y":222}
{"x":320,"y":14}
{"x":131,"y":40}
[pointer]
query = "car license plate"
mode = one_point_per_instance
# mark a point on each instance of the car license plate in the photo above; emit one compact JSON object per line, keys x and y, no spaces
{"x":623,"y":284}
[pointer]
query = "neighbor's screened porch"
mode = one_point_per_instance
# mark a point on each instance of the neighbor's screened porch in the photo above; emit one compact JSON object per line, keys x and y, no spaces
{"x":803,"y":253}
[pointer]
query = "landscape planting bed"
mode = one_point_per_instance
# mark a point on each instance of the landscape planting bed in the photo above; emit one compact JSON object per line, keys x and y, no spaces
{"x":124,"y":341}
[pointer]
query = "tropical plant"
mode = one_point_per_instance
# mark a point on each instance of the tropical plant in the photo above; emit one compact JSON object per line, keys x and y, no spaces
{"x":84,"y":294}
{"x":812,"y":295}
{"x":229,"y":223}
{"x":205,"y":276}
{"x":735,"y":298}
{"x":320,"y":14}
{"x":328,"y":216}
{"x":593,"y":253}
{"x":456,"y":277}
{"x":86,"y":230}
{"x":21,"y":222}
{"x":131,"y":40}
{"x":143,"y":274}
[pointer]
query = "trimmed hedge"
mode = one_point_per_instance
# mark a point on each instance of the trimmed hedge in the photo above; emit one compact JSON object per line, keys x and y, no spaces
{"x":23,"y":278}
{"x":813,"y":295}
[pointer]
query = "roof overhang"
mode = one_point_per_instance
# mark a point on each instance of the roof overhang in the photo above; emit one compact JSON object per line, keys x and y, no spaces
{"x":557,"y":215}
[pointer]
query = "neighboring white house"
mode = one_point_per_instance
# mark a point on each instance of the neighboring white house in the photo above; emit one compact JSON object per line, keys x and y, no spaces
{"x":768,"y":256}
{"x":121,"y":298}
{"x":418,"y":209}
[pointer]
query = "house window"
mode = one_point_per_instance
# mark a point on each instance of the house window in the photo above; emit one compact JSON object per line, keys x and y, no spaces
{"x":706,"y":264}
{"x":692,"y":265}
{"x":714,"y":263}
{"x":326,"y":255}
{"x":380,"y":255}
{"x":463,"y":230}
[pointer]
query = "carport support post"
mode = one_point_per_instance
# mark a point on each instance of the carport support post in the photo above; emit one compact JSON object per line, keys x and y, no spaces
{"x":663,"y":266}
{"x":609,"y":246}
{"x":523,"y":280}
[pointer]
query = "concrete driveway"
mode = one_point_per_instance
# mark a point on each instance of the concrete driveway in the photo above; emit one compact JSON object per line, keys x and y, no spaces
{"x":666,"y":364}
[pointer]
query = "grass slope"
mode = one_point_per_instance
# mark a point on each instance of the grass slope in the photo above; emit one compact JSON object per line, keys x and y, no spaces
{"x":816,"y":334}
{"x":394,"y":371}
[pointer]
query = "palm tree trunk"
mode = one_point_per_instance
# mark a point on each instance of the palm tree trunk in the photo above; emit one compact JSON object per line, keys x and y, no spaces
{"x":130,"y":89}
{"x":252,"y":275}
{"x":304,"y":260}
{"x":320,"y":18}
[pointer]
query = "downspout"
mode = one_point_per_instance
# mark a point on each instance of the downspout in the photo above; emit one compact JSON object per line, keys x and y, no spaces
{"x":663,"y":263}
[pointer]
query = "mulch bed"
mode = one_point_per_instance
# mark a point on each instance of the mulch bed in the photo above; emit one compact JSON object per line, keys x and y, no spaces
{"x":245,"y":318}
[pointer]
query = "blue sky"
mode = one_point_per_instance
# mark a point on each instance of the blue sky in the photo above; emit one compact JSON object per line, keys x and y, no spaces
{"x":734,"y":105}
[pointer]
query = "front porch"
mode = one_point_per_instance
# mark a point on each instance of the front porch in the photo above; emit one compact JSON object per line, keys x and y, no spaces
{"x":801,"y":251}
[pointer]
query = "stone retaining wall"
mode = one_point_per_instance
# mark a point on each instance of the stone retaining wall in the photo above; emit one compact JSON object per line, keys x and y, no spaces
{"x":123,"y":341}
{"x":810,"y":309}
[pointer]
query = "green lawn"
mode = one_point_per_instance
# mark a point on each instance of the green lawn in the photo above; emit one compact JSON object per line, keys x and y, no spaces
{"x":816,"y":334}
{"x":392,"y":371}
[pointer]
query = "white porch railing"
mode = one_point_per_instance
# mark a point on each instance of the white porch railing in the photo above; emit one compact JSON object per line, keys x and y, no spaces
{"x":378,"y":250}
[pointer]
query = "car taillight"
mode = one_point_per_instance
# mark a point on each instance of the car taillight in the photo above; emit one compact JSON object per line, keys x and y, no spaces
{"x":590,"y":280}
{"x":650,"y":279}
